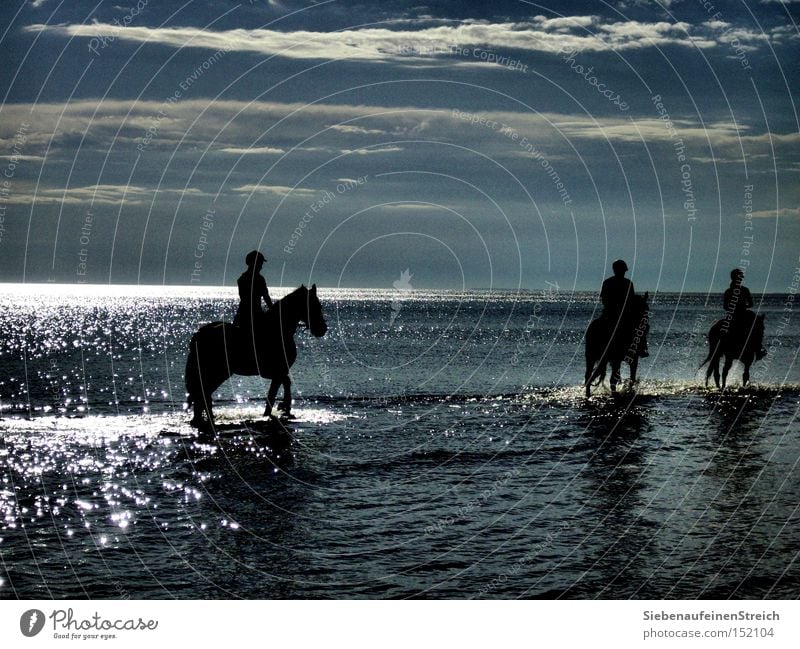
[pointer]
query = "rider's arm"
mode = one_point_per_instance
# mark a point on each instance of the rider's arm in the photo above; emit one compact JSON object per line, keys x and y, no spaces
{"x":605,"y":295}
{"x":748,"y":298}
{"x":265,"y":293}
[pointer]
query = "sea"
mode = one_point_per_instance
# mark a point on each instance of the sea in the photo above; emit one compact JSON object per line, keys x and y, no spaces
{"x":441,"y":447}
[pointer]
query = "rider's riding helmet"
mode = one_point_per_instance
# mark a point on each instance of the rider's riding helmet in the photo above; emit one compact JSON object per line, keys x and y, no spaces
{"x":253,"y":257}
{"x":619,"y":266}
{"x":737,"y":274}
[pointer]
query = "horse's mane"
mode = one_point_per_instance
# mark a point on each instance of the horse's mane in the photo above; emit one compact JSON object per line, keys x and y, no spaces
{"x":290,"y":296}
{"x":287,"y":300}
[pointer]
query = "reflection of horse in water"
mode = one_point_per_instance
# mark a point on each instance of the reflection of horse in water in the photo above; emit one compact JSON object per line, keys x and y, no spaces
{"x":742,"y":341}
{"x":220,"y":349}
{"x":609,"y":341}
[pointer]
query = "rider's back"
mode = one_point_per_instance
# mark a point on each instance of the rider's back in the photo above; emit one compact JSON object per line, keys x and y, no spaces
{"x":616,"y":294}
{"x":737,"y":301}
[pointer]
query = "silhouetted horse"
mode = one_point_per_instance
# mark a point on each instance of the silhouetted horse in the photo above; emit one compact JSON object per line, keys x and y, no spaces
{"x":743,"y":343}
{"x":220,"y":349}
{"x":613,"y":342}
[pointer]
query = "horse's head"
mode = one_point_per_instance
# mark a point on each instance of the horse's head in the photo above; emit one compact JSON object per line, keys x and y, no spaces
{"x":641,"y":305}
{"x":312,"y":316}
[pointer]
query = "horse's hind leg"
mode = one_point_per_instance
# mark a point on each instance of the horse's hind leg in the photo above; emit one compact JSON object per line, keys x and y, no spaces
{"x":286,"y":403}
{"x":588,"y":377}
{"x":594,"y":372}
{"x":634,"y":369}
{"x":746,"y":374}
{"x":198,"y":410}
{"x":272,"y":394}
{"x":715,"y":369}
{"x":725,"y":369}
{"x":203,"y":416}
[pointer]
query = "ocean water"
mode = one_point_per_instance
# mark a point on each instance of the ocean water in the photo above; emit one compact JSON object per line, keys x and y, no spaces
{"x":442,"y":448}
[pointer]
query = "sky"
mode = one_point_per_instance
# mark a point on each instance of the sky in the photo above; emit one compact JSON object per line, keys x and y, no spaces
{"x":438,"y":144}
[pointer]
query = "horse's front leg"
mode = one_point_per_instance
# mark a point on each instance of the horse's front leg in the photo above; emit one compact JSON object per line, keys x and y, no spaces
{"x":725,"y":369}
{"x":615,"y":375}
{"x":634,"y":367}
{"x":746,"y":375}
{"x":286,"y":403}
{"x":272,"y":394}
{"x":710,"y":370}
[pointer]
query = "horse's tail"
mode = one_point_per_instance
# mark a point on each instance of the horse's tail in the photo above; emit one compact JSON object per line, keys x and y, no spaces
{"x":602,"y":375}
{"x":594,"y":360}
{"x":713,"y":346}
{"x":711,"y":350}
{"x":192,"y":375}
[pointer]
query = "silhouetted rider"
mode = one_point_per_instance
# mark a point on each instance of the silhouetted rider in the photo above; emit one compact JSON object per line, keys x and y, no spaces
{"x":252,"y":289}
{"x":737,"y":301}
{"x":737,"y":298}
{"x":617,"y":292}
{"x":617,"y":295}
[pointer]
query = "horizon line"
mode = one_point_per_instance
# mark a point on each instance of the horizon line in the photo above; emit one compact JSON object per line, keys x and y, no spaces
{"x":233,"y":287}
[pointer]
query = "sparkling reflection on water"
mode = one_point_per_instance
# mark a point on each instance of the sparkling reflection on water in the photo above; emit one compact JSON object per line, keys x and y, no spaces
{"x":377,"y":491}
{"x":582,"y":499}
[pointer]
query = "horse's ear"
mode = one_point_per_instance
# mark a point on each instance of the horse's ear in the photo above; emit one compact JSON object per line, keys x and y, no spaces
{"x":302,"y":285}
{"x":313,"y":288}
{"x":646,"y":295}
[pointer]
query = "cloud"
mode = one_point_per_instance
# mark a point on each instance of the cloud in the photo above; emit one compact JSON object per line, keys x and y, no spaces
{"x":237,"y":128}
{"x":22,"y":158}
{"x":236,"y":125}
{"x":97,"y":195}
{"x":360,"y":130}
{"x":255,"y":150}
{"x":781,"y":213}
{"x":553,"y":35}
{"x":275,"y":190}
{"x":409,"y":207}
{"x":372,"y":151}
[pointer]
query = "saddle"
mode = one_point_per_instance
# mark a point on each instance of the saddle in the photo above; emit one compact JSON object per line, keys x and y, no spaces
{"x":621,"y":331}
{"x":738,"y":332}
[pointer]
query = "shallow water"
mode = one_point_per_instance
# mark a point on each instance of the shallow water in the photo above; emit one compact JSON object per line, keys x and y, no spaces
{"x":442,"y":448}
